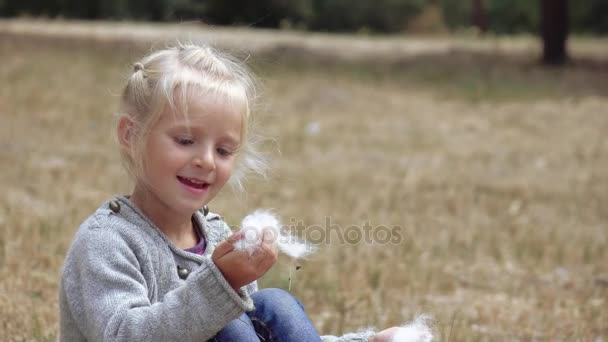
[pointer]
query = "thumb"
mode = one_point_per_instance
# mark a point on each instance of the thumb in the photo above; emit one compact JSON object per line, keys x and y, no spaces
{"x":235,"y":237}
{"x":227,"y":245}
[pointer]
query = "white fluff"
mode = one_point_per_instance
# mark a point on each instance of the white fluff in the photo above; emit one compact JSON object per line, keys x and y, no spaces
{"x":419,"y":330}
{"x":254,"y":226}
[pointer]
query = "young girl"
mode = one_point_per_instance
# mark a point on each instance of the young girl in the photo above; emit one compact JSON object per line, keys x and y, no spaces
{"x":154,"y":266}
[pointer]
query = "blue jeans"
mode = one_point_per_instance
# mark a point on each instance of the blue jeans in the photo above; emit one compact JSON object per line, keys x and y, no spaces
{"x":278,"y":316}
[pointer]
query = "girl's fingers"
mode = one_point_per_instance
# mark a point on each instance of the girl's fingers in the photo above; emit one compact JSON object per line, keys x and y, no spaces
{"x":270,"y":252}
{"x":267,"y":242}
{"x":236,"y":237}
{"x":269,"y":239}
{"x":227,"y":246}
{"x":264,"y":257}
{"x":267,"y":262}
{"x":222,"y":249}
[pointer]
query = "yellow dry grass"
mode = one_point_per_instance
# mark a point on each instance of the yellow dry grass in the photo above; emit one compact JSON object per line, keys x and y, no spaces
{"x":495,"y":169}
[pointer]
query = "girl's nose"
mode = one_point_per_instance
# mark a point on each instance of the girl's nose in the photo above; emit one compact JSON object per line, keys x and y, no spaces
{"x":205,"y":161}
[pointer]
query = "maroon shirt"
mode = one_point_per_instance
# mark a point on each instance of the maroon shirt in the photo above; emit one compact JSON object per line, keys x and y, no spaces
{"x":201,"y":245}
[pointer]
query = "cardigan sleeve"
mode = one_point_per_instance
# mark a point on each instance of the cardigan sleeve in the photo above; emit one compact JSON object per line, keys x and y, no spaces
{"x":106,"y":295}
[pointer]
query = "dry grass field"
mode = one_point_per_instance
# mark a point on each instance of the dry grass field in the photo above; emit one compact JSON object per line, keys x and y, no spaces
{"x":494,"y":170}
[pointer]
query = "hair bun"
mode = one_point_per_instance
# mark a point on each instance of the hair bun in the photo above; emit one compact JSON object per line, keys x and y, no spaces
{"x":137,"y":67}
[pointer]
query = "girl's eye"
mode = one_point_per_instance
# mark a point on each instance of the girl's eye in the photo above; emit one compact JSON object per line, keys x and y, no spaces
{"x":224,"y":152}
{"x":184,"y":141}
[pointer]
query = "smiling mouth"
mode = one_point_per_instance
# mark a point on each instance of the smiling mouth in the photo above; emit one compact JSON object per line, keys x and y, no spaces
{"x":193,"y":183}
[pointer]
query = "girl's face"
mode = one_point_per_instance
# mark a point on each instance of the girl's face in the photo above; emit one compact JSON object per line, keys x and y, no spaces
{"x":189,"y":158}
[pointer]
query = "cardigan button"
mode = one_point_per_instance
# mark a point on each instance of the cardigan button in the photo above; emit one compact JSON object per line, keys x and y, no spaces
{"x":205,"y":210}
{"x":115,"y":206}
{"x":183,"y":272}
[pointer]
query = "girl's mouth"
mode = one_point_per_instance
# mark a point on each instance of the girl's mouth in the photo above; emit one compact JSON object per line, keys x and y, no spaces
{"x":192,"y":183}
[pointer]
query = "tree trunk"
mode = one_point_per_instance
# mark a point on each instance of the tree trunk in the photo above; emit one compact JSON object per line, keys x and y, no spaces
{"x":554,"y":31}
{"x":479,"y":18}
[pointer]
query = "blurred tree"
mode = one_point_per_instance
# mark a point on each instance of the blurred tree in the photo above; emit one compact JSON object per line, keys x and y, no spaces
{"x":188,"y":9}
{"x":479,"y":18}
{"x":554,"y":30}
{"x":114,"y":9}
{"x":261,"y":13}
{"x":501,"y":16}
{"x":589,"y":16}
{"x":429,"y":20}
{"x":81,"y":9}
{"x":455,"y":13}
{"x":357,"y":15}
{"x":513,"y":16}
{"x":31,"y":7}
{"x":155,"y":10}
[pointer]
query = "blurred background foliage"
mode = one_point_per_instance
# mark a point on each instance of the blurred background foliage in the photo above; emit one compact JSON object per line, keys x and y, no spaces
{"x":373,"y":16}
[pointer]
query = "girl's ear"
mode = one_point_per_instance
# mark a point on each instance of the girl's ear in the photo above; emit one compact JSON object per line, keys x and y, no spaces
{"x":125,"y":132}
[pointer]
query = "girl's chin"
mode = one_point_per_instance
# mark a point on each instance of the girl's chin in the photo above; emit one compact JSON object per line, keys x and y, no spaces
{"x":190,"y":207}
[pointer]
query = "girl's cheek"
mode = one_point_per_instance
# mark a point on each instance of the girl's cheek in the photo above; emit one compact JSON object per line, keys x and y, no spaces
{"x":226,"y":168}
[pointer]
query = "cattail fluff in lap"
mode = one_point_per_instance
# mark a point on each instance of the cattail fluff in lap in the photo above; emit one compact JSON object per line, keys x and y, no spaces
{"x":255,"y":224}
{"x":419,"y":330}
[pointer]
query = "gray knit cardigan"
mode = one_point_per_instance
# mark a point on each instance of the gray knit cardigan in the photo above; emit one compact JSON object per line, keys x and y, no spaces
{"x":120,"y":282}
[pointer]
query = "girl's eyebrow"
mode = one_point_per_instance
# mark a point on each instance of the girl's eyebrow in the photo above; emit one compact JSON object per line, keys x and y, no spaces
{"x":228,"y":137}
{"x":231,"y":139}
{"x":182,"y":127}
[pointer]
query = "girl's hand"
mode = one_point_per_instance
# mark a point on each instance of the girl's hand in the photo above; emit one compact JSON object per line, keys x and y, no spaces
{"x":239,"y":267}
{"x":385,"y":335}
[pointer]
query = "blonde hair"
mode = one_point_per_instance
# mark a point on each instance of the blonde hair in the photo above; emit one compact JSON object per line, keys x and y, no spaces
{"x":165,"y":79}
